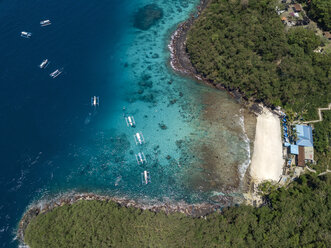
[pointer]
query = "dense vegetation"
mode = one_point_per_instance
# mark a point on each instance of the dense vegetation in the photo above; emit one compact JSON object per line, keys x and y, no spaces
{"x":322,"y":142}
{"x":320,"y":11}
{"x":243,"y":45}
{"x":298,"y":216}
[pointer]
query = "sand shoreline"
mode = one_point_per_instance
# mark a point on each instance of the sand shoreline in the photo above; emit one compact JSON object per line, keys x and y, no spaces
{"x":267,"y":160}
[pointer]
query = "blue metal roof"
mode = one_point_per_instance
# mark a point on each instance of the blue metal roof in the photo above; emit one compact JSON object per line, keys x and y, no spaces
{"x":294,"y":149}
{"x":305,"y":135}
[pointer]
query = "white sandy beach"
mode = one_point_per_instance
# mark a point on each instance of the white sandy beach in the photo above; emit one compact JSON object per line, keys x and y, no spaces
{"x":267,"y":161}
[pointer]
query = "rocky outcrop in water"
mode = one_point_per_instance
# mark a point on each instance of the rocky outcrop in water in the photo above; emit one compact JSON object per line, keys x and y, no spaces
{"x":147,"y":16}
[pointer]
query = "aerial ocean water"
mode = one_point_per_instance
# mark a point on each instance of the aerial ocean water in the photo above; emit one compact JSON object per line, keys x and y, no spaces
{"x":197,"y":139}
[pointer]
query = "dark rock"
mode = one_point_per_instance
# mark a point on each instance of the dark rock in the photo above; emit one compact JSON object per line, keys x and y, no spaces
{"x":163,"y":126}
{"x":155,"y":56}
{"x":179,"y":143}
{"x":146,"y":77}
{"x":173,"y":101}
{"x":147,"y":98}
{"x":147,"y":16}
{"x":145,"y":84}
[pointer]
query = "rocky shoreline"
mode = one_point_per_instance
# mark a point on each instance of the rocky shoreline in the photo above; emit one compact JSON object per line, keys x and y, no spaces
{"x":180,"y":61}
{"x":194,"y":210}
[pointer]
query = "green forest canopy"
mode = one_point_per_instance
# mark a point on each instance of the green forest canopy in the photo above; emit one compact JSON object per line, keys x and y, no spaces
{"x":243,"y":45}
{"x":320,"y":11}
{"x":297,"y":217}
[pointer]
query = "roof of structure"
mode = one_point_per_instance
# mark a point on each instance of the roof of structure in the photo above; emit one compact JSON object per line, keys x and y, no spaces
{"x":301,"y":156}
{"x":309,"y":153}
{"x":294,"y":149}
{"x":305,"y":135}
{"x":297,"y":7}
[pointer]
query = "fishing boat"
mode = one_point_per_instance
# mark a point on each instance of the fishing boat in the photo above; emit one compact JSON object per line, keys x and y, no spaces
{"x":139,"y":138}
{"x":130,"y":121}
{"x":55,"y":73}
{"x":145,"y":177}
{"x":44,"y":64}
{"x":141,"y":159}
{"x":45,"y":23}
{"x":95,"y":101}
{"x":25,"y":34}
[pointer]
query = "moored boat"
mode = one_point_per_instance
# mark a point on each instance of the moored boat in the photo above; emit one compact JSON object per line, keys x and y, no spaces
{"x":25,"y":34}
{"x":44,"y":64}
{"x":45,"y":23}
{"x":55,"y":73}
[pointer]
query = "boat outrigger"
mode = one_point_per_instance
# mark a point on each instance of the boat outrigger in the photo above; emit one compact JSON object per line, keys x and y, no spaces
{"x":44,"y":64}
{"x":139,"y":138}
{"x":55,"y":73}
{"x":141,"y":159}
{"x":145,"y":177}
{"x":95,"y":101}
{"x":130,"y":121}
{"x":45,"y":23}
{"x":25,"y":34}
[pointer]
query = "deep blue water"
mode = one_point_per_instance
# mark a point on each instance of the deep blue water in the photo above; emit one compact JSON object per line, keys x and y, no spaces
{"x":53,"y":141}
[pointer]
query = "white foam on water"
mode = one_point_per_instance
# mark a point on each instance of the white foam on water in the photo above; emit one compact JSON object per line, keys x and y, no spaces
{"x":243,"y":167}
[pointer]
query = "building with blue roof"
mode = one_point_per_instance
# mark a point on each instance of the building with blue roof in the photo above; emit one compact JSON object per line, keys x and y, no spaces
{"x":305,"y":135}
{"x":294,"y":149}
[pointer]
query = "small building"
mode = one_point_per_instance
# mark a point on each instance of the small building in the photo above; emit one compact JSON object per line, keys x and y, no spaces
{"x":297,"y":7}
{"x":294,"y":149}
{"x":309,"y":153}
{"x":305,"y":135}
{"x":305,"y":144}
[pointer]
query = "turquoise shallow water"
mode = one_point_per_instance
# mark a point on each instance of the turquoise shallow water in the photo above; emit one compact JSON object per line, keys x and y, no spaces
{"x":197,"y":147}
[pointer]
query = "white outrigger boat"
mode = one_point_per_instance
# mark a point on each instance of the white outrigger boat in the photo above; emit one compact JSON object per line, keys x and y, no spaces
{"x":44,"y":64}
{"x":95,"y":101}
{"x":45,"y":23}
{"x":139,"y":138}
{"x":130,"y":121}
{"x":145,"y":177}
{"x":25,"y":34}
{"x":141,"y":159}
{"x":55,"y":73}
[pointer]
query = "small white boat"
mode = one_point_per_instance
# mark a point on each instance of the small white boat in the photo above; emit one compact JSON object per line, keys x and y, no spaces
{"x":145,"y":177}
{"x":95,"y":101}
{"x":44,"y":64}
{"x":141,"y":159}
{"x":139,"y":138}
{"x":55,"y":73}
{"x":45,"y":23}
{"x":130,"y":121}
{"x":25,"y":34}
